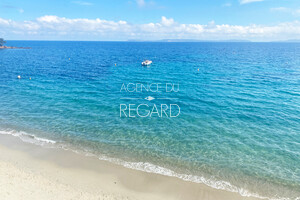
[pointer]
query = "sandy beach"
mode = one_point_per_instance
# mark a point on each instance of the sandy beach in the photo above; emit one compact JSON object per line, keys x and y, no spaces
{"x":28,"y":171}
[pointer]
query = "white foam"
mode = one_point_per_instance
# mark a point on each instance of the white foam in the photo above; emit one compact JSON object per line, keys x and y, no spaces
{"x":144,"y":166}
{"x":151,"y":168}
{"x":25,"y":137}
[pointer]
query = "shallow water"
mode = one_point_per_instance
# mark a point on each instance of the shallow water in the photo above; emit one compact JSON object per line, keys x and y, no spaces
{"x":239,"y":122}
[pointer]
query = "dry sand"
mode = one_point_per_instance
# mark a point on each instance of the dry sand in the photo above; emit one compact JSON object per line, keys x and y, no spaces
{"x":29,"y":172}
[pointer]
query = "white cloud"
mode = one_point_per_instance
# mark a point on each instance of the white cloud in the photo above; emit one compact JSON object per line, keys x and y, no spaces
{"x":295,"y":12}
{"x":4,"y":21}
{"x":249,"y":1}
{"x":148,"y":4}
{"x":82,"y":3}
{"x":227,"y":5}
{"x":281,"y":9}
{"x":167,"y":22}
{"x":61,"y":28}
{"x":141,"y":3}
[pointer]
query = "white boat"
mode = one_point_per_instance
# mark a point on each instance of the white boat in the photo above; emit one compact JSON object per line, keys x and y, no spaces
{"x":146,"y":62}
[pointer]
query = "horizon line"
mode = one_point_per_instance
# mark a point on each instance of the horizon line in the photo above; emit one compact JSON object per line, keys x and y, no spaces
{"x":164,"y":41}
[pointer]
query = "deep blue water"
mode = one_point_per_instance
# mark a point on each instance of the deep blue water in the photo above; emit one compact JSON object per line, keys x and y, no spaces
{"x":239,"y":122}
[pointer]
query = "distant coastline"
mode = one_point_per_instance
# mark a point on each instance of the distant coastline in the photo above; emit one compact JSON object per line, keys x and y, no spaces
{"x":221,"y":41}
{"x":187,"y":40}
{"x":7,"y":47}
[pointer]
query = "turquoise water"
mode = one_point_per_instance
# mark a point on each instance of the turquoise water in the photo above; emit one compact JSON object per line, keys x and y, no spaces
{"x":239,"y":122}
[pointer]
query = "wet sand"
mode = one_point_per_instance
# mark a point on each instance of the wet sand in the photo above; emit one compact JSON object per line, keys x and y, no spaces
{"x":29,"y":171}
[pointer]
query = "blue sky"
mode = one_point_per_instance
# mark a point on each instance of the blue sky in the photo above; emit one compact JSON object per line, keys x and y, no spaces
{"x":202,"y":19}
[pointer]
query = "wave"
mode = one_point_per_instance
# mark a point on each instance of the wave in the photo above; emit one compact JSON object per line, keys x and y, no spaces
{"x":142,"y":166}
{"x":30,"y":138}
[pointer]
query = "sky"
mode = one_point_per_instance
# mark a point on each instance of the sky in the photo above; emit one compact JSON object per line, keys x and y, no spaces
{"x":121,"y":20}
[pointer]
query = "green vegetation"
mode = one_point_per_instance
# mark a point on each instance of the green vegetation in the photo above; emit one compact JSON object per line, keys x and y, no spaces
{"x":2,"y":42}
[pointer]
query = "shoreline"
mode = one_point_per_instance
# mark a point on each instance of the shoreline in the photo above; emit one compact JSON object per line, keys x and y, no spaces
{"x":86,"y":177}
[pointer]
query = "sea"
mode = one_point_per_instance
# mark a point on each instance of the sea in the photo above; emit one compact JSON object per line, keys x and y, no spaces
{"x":225,"y":114}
